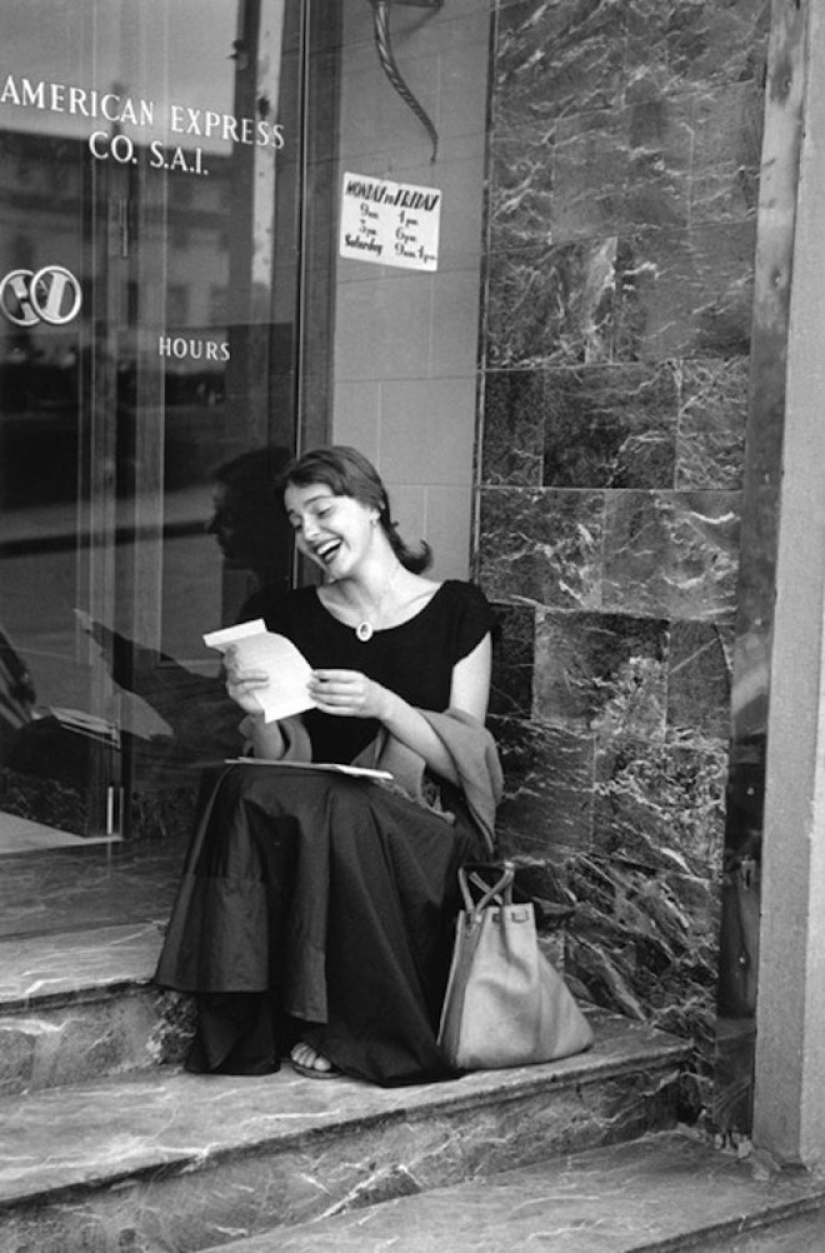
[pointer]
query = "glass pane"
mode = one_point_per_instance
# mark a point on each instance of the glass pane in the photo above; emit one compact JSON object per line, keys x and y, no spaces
{"x":150,"y":262}
{"x":59,"y":737}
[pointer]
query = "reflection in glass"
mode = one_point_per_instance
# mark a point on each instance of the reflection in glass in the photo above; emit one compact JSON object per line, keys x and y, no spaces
{"x":149,"y":165}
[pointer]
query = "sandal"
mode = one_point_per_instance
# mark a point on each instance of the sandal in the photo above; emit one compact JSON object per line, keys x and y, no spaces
{"x":308,"y":1069}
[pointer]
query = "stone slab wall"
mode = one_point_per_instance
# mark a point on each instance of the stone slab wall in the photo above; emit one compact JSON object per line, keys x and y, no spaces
{"x":623,"y":187}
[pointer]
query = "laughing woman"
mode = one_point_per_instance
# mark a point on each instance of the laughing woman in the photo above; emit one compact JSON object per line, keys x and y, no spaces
{"x":316,"y":911}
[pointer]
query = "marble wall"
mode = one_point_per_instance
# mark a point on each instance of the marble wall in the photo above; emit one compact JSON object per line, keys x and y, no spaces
{"x":623,"y":188}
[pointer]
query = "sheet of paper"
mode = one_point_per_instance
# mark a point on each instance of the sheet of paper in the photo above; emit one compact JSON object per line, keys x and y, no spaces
{"x":258,"y":649}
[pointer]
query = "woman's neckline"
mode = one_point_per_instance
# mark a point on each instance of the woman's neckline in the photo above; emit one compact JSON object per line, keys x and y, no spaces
{"x":397,"y":626}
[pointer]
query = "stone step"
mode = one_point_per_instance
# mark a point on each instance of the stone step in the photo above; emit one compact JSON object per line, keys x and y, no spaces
{"x":660,"y":1193}
{"x":78,"y":1006}
{"x":164,"y":1160}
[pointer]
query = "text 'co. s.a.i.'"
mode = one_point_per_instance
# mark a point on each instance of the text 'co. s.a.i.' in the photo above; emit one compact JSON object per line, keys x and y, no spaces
{"x":120,"y":126}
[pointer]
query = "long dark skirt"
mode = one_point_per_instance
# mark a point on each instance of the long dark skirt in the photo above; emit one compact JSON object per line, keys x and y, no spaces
{"x":321,"y":905}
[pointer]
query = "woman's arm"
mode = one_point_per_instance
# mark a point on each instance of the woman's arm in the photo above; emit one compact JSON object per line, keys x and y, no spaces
{"x":350,"y":694}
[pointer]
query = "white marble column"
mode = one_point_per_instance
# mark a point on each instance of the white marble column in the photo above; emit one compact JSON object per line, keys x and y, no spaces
{"x":789,"y":1105}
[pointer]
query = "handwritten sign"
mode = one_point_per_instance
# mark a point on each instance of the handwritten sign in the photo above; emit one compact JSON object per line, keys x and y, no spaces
{"x":390,"y":223}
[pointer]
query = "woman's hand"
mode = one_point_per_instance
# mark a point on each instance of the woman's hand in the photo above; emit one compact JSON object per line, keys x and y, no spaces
{"x":241,"y":684}
{"x":349,"y":694}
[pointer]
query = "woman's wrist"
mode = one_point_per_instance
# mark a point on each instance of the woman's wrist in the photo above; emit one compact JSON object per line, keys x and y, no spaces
{"x":390,"y":708}
{"x":265,"y":737}
{"x":247,"y":725}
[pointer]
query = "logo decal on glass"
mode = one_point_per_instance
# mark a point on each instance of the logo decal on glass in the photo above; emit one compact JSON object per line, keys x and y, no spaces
{"x":52,"y":295}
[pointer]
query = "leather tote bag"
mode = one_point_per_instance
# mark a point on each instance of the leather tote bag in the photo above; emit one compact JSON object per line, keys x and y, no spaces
{"x":505,"y":1005}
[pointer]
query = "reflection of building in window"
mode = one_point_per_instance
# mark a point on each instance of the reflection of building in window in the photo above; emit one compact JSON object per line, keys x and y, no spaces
{"x":61,"y":178}
{"x":21,"y":253}
{"x":43,"y":226}
{"x":174,"y":341}
{"x":177,"y":305}
{"x":180,"y":193}
{"x":181,"y":236}
{"x":217,"y":304}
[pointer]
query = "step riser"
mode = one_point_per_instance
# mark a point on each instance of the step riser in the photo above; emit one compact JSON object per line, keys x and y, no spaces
{"x":52,"y":1045}
{"x":211,"y":1202}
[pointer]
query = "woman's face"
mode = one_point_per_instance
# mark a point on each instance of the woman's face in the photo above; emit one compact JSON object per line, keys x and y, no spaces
{"x":334,"y":531}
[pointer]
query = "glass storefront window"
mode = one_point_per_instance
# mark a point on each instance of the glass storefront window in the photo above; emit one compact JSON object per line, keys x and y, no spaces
{"x":152,"y":154}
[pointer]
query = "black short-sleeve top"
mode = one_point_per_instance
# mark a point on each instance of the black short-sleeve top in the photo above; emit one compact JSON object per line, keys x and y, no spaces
{"x":414,"y":659}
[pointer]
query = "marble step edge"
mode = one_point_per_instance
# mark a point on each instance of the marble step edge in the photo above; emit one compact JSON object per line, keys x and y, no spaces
{"x":77,"y":1006}
{"x":84,"y":965}
{"x":83,"y":1138}
{"x":662,"y":1192}
{"x":40,"y":971}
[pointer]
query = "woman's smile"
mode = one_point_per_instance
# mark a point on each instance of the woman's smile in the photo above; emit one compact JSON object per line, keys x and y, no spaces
{"x":328,"y":527}
{"x":326,"y":552}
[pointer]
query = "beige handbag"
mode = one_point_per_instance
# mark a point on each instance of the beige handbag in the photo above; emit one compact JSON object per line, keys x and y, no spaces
{"x":505,"y":1005}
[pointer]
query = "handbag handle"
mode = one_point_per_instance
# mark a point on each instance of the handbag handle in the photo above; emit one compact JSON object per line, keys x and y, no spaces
{"x":502,"y":890}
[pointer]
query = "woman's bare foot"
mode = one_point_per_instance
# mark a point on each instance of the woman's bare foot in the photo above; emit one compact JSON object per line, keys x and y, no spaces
{"x":309,"y":1062}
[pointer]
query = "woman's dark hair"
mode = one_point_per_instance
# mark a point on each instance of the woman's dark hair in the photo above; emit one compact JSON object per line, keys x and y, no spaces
{"x":347,"y":472}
